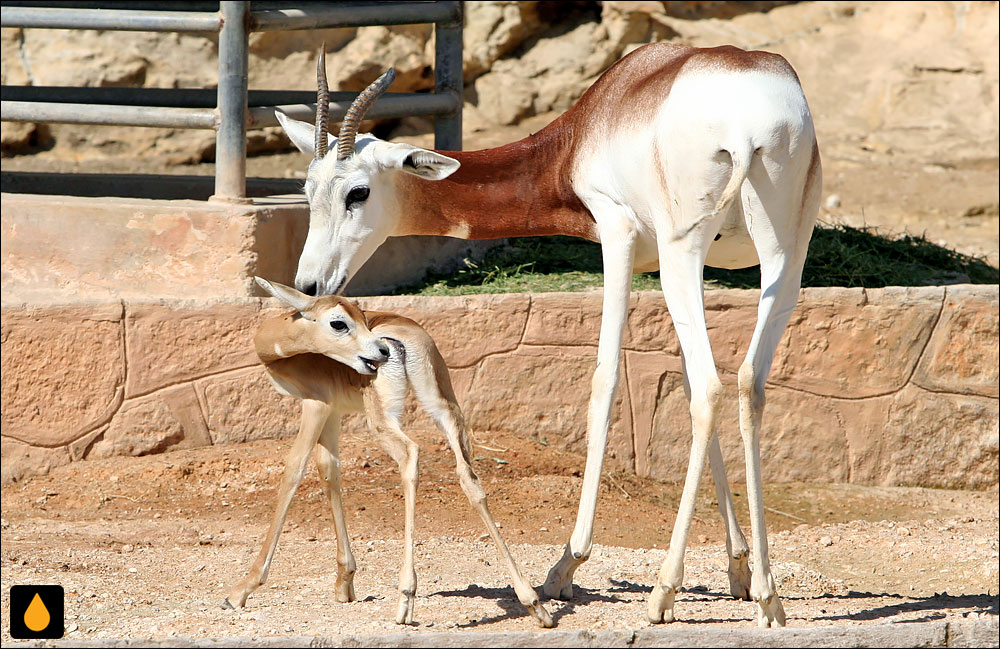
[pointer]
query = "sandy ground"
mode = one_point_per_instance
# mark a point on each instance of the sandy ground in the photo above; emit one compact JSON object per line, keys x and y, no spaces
{"x":148,"y":547}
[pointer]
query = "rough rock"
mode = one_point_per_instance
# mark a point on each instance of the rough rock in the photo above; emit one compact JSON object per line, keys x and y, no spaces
{"x":456,"y":323}
{"x":47,"y":408}
{"x":141,"y":427}
{"x":168,"y":346}
{"x":22,"y":460}
{"x":930,"y":91}
{"x":244,"y":406}
{"x":554,"y":408}
{"x":952,"y":361}
{"x":493,"y":30}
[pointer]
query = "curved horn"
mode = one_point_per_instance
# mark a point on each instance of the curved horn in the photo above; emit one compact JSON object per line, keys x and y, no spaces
{"x":322,"y":104}
{"x":360,"y":106}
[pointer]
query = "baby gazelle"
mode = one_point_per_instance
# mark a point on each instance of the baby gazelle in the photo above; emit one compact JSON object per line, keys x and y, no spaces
{"x":337,"y":358}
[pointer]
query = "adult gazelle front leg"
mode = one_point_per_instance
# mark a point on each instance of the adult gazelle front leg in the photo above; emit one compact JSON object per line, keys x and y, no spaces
{"x":618,"y":238}
{"x":327,"y":456}
{"x":314,"y":418}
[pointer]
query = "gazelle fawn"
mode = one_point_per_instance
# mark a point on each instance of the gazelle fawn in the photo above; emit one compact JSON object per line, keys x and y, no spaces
{"x":337,"y":358}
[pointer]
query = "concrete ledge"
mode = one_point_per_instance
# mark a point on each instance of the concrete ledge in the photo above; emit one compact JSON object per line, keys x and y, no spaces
{"x":60,"y":249}
{"x":962,"y":633}
{"x":895,"y":386}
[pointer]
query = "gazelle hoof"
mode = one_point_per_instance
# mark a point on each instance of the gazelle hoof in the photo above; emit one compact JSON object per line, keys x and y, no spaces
{"x":226,"y":604}
{"x":740,"y":577}
{"x":542,"y":616}
{"x":661,"y":605}
{"x":404,"y":612}
{"x":770,"y":613}
{"x":559,"y":582}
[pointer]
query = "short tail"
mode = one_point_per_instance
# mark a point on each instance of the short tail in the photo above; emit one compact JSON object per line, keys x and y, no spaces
{"x":741,"y":157}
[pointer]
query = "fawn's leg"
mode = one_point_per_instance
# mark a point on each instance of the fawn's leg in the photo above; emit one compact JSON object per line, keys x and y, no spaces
{"x":405,"y":452}
{"x":327,"y":454}
{"x":434,"y":390}
{"x":314,"y":418}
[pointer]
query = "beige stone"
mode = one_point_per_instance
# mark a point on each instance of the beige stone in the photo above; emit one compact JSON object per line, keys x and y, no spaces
{"x":465,"y":328}
{"x":940,"y":440}
{"x":243,"y":406}
{"x":505,"y":98}
{"x":524,"y":364}
{"x":962,"y":353}
{"x":856,"y":342}
{"x":141,"y":427}
{"x":23,"y":460}
{"x":543,"y":392}
{"x":802,"y":436}
{"x":114,"y":248}
{"x":63,"y":371}
{"x":172,"y":343}
{"x":494,"y":29}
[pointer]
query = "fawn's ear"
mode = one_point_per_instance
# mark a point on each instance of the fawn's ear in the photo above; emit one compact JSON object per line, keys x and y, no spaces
{"x":295,"y":299}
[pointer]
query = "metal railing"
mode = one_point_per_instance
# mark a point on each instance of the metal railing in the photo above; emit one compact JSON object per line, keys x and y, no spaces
{"x":232,"y":109}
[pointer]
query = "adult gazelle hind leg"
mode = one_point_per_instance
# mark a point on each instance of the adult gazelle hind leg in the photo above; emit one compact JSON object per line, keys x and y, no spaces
{"x":618,"y":237}
{"x":327,"y":454}
{"x":681,"y":278}
{"x":434,"y":391}
{"x":314,"y":417}
{"x":781,"y":245}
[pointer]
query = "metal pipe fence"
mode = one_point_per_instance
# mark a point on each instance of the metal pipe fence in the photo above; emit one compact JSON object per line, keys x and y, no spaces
{"x":232,"y":109}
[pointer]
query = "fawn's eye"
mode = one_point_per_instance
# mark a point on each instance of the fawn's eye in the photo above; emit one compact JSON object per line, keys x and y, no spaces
{"x":357,"y":195}
{"x":338,"y":325}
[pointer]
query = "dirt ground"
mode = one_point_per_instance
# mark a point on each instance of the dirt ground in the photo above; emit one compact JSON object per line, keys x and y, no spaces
{"x":148,"y":547}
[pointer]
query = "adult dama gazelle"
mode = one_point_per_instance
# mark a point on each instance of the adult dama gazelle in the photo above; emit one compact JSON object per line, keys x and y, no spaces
{"x":675,"y":158}
{"x":337,"y":358}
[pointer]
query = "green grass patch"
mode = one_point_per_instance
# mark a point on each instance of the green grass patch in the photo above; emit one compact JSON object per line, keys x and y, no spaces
{"x":839,"y":255}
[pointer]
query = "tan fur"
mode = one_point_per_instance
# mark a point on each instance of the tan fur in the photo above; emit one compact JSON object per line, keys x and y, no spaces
{"x":328,"y":389}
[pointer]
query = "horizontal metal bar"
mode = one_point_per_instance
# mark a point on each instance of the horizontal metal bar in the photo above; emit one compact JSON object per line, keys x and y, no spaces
{"x":178,"y":97}
{"x":351,"y":14}
{"x":113,"y":19}
{"x":388,"y":106}
{"x":31,"y":111}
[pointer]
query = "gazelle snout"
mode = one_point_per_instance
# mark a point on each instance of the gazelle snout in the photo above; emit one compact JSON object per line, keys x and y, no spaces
{"x":377,"y":354}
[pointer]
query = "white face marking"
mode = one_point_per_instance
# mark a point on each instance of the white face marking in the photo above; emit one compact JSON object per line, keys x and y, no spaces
{"x":344,"y":232}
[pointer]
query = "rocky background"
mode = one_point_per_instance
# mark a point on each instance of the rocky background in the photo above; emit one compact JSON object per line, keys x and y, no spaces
{"x":904,"y":95}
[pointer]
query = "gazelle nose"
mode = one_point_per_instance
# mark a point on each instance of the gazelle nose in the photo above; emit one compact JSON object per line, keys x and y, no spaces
{"x":310,"y":289}
{"x":384,"y":350}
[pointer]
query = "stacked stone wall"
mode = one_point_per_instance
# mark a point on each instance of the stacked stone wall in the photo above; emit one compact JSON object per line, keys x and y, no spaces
{"x":895,"y":386}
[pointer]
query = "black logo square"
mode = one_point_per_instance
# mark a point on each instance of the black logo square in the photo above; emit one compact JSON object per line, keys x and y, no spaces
{"x":37,"y":612}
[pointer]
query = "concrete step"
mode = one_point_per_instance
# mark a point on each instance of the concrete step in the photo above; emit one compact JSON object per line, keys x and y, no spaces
{"x":60,"y":249}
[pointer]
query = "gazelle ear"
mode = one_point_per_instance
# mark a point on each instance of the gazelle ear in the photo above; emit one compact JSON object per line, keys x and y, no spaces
{"x":302,"y":134}
{"x":419,"y":162}
{"x":298,"y":301}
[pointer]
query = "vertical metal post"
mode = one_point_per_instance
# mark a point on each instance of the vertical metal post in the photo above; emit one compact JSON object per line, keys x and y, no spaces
{"x":231,"y":136}
{"x":448,"y":79}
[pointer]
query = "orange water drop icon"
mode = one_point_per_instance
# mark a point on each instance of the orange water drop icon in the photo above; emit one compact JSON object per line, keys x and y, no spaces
{"x":36,"y":616}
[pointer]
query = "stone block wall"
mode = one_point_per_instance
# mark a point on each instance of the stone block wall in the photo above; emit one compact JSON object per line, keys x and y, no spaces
{"x":882,"y":387}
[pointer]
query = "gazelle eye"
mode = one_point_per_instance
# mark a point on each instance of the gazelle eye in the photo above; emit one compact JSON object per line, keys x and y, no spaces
{"x":338,"y":325}
{"x":357,"y":195}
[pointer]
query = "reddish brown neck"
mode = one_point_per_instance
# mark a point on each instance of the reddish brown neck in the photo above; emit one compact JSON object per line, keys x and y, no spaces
{"x":520,"y":189}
